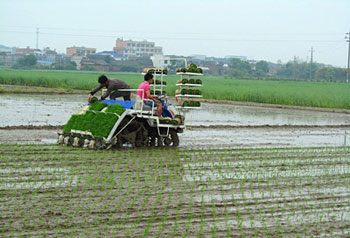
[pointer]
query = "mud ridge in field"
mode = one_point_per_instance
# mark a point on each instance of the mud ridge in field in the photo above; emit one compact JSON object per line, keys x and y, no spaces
{"x":52,"y":127}
{"x":31,"y":127}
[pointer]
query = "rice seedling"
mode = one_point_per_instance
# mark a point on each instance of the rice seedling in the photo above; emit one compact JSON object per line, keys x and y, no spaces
{"x":157,"y":192}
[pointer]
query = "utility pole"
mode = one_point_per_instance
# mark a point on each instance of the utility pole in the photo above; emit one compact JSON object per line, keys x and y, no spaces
{"x":37,"y":38}
{"x":294,"y":67}
{"x":348,"y":40}
{"x":312,"y":54}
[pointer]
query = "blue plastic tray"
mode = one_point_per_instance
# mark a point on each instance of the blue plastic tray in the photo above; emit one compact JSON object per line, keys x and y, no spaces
{"x":125,"y":104}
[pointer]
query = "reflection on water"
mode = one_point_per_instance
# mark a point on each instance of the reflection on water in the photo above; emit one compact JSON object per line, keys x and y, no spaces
{"x":221,"y":114}
{"x":56,"y":110}
{"x":38,"y":110}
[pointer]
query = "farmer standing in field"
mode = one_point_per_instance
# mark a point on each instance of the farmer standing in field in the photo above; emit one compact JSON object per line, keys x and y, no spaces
{"x":112,"y":85}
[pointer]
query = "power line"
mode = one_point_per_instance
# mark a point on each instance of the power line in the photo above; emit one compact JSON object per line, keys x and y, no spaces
{"x":182,"y":32}
{"x":181,"y":38}
{"x":37,"y":38}
{"x":311,"y":59}
{"x":348,"y":40}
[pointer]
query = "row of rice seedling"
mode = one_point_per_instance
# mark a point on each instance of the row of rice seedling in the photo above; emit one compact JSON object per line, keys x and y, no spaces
{"x":265,"y":193}
{"x":49,"y":190}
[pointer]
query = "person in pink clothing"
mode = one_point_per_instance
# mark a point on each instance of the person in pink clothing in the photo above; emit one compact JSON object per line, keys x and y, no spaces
{"x":146,"y":94}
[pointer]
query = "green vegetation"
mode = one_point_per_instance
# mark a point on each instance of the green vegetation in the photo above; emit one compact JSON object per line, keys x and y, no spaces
{"x":158,"y":82}
{"x":186,"y":91}
{"x":97,"y":106}
{"x":83,"y":80}
{"x":311,"y":94}
{"x":54,"y":191}
{"x":191,"y":68}
{"x":94,"y":121}
{"x":155,"y":71}
{"x":297,"y":93}
{"x":98,"y":123}
{"x":26,"y":61}
{"x":293,"y":70}
{"x":116,"y":108}
{"x":169,"y":121}
{"x":191,"y":104}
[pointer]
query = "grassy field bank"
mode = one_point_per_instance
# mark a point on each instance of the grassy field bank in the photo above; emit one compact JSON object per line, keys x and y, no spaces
{"x":312,"y":94}
{"x":58,"y":191}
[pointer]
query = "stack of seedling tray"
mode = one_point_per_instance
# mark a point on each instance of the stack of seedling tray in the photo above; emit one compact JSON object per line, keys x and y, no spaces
{"x":192,"y":68}
{"x":188,"y":82}
{"x":190,"y":103}
{"x":186,"y":94}
{"x":159,"y":82}
{"x":177,"y":120}
{"x":155,"y":71}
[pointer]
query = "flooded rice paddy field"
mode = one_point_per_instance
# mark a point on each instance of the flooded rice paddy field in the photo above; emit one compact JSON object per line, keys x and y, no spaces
{"x":215,"y":125}
{"x":56,"y":191}
{"x":237,"y":173}
{"x":39,"y":110}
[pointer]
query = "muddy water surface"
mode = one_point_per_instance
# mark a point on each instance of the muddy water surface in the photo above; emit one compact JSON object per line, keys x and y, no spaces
{"x":215,"y":125}
{"x":222,"y":114}
{"x":38,"y":110}
{"x":57,"y":109}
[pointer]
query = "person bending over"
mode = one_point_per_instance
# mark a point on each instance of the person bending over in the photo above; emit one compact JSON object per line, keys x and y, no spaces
{"x":112,"y":85}
{"x":147,"y":95}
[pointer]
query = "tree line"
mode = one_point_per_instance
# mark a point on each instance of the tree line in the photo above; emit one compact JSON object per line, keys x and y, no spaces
{"x":296,"y":70}
{"x":237,"y":68}
{"x":30,"y":62}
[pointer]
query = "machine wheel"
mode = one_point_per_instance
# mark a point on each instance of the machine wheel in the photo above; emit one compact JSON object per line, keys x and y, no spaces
{"x":172,"y":139}
{"x":60,"y":139}
{"x":98,"y":144}
{"x":135,"y":134}
{"x":68,"y":140}
{"x":154,"y":140}
{"x":142,"y":137}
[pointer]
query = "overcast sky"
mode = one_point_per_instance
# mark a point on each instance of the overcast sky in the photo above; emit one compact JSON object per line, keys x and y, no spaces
{"x":269,"y":30}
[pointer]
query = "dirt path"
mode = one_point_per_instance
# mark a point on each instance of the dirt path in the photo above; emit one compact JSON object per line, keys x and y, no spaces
{"x":18,"y":89}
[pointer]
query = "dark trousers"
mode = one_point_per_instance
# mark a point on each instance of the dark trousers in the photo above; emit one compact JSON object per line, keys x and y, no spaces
{"x":117,"y":94}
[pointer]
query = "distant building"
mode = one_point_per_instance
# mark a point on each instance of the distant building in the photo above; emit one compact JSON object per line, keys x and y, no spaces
{"x":80,"y":51}
{"x":108,"y":64}
{"x":49,"y":55}
{"x":11,"y":59}
{"x":132,"y":48}
{"x":236,"y":57}
{"x":22,"y":51}
{"x":77,"y":60}
{"x":48,"y":51}
{"x":44,"y":62}
{"x":7,"y":50}
{"x":94,"y":64}
{"x":160,"y":61}
{"x":199,"y":57}
{"x":112,"y":54}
